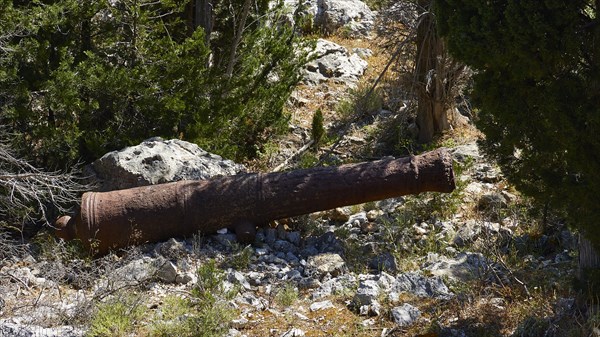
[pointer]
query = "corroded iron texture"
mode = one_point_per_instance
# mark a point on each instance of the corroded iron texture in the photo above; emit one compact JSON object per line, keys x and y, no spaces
{"x":117,"y":219}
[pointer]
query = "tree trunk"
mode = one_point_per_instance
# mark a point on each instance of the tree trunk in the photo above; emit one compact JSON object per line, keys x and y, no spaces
{"x":199,"y":13}
{"x":86,"y":39}
{"x":588,"y":276}
{"x":203,"y":17}
{"x":430,"y":73}
{"x":238,"y":38}
{"x":589,"y":262}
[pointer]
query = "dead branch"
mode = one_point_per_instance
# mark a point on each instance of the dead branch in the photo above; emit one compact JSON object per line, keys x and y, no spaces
{"x":26,"y":192}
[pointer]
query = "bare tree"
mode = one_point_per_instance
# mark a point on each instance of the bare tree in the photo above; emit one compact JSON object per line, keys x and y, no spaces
{"x":430,"y":74}
{"x":26,"y":192}
{"x":410,"y":30}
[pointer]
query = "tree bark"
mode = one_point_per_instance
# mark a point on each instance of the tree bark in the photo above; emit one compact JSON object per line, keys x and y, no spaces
{"x":430,"y":73}
{"x":203,"y":17}
{"x":588,"y":276}
{"x":589,"y":260}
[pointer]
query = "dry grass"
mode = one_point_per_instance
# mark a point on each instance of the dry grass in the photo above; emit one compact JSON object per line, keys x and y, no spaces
{"x":337,"y":321}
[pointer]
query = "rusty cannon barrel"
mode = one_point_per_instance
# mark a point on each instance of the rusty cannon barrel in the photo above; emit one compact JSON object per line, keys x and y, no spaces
{"x":116,"y":219}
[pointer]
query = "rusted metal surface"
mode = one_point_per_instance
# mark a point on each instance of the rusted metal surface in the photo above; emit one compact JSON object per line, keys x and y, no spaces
{"x":116,"y":219}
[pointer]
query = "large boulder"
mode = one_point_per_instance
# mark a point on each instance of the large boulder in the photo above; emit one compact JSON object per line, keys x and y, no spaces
{"x":157,"y":161}
{"x":334,"y":62}
{"x":352,"y":16}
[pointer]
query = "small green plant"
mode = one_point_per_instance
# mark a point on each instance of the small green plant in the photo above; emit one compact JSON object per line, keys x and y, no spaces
{"x":175,"y":306}
{"x":266,"y":154}
{"x":241,"y":257}
{"x":308,"y":160}
{"x":197,"y":243}
{"x":376,"y":4}
{"x":210,"y":279}
{"x":318,"y":130}
{"x":49,"y":248}
{"x":343,"y":233}
{"x":448,"y":143}
{"x":372,"y":131}
{"x":345,"y":108}
{"x":356,"y":208}
{"x":205,"y":313}
{"x":213,"y":314}
{"x":345,"y":31}
{"x":116,"y":317}
{"x":191,"y":318}
{"x":168,"y":320}
{"x":287,"y":295}
{"x":305,"y":24}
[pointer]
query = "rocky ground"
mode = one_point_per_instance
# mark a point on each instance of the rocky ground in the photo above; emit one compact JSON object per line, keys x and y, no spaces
{"x":455,"y":265}
{"x":476,"y":262}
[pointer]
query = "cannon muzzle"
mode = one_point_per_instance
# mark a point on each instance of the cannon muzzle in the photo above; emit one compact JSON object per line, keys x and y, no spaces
{"x":117,"y":219}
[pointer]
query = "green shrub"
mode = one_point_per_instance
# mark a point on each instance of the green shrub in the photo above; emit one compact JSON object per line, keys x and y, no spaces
{"x":140,"y":72}
{"x":241,"y":257}
{"x":536,"y":88}
{"x":169,"y":322}
{"x":189,"y":318}
{"x":116,"y":317}
{"x":212,"y":313}
{"x":210,"y":279}
{"x":317,"y":130}
{"x":203,"y":314}
{"x":287,"y":295}
{"x":308,"y":160}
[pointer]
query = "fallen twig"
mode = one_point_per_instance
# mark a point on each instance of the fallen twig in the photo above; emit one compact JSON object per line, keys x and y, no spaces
{"x":293,"y":156}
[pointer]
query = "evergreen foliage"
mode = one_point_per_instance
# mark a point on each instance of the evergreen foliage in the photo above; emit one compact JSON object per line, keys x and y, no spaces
{"x":79,"y":78}
{"x":317,"y":128}
{"x":537,"y":88}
